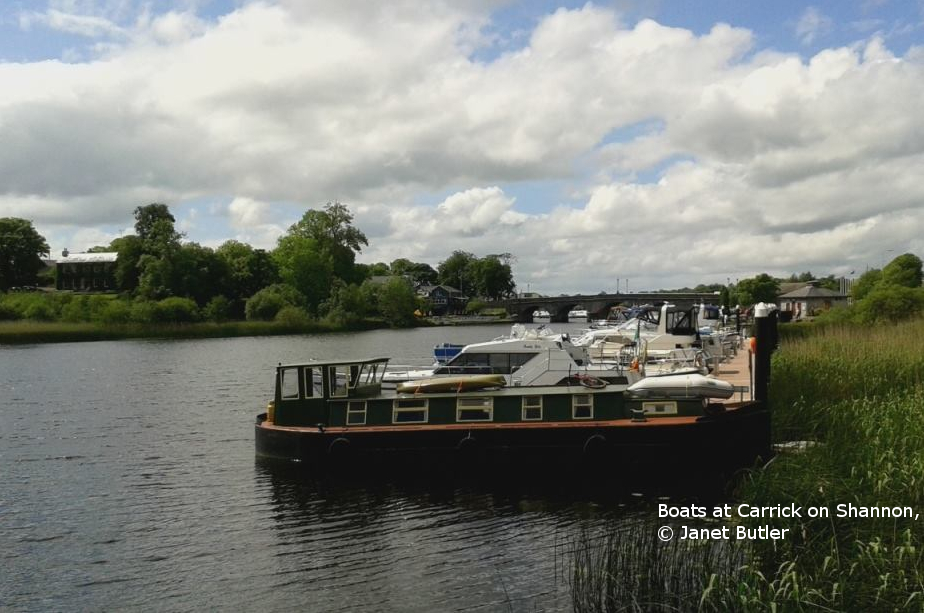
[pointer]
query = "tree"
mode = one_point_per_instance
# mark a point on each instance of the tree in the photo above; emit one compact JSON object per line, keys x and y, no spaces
{"x":890,"y":303}
{"x":904,"y":270}
{"x":490,"y":277}
{"x":247,"y":269}
{"x":334,"y":236}
{"x":397,"y":303}
{"x":266,"y":303}
{"x":865,"y":283}
{"x":455,"y":271}
{"x":21,"y":251}
{"x":130,"y":251}
{"x":304,"y":266}
{"x":418,"y":272}
{"x":759,"y":289}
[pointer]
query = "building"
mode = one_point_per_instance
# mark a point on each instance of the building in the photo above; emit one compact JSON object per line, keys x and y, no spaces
{"x":810,"y":300}
{"x":444,"y":299}
{"x":86,"y":272}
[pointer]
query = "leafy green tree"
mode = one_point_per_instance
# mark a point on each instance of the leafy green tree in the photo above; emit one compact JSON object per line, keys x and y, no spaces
{"x":418,"y":272}
{"x":346,"y":304}
{"x":377,"y":269}
{"x":904,"y":270}
{"x":759,"y":289}
{"x":21,"y":251}
{"x":304,"y":266}
{"x":176,"y":310}
{"x":247,"y":269}
{"x":455,"y":271}
{"x":491,"y":277}
{"x":335,"y":238}
{"x":397,"y":303}
{"x":127,"y":271}
{"x":865,"y":283}
{"x":154,"y":225}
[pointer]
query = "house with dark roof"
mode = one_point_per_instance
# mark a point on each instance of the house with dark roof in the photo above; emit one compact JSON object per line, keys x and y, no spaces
{"x":444,"y":299}
{"x":810,"y":300}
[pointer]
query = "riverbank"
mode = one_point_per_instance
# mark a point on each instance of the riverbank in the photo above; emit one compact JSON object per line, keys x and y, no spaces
{"x":853,"y":397}
{"x":28,"y":332}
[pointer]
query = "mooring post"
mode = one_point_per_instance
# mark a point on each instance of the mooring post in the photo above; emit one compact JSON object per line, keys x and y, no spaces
{"x":766,"y":334}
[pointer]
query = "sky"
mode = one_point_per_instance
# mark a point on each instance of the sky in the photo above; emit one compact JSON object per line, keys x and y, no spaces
{"x":650,"y":143}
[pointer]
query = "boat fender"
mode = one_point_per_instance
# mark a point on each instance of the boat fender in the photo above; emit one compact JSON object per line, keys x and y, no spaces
{"x":594,"y":445}
{"x":699,"y":360}
{"x":271,"y":412}
{"x":339,"y":447}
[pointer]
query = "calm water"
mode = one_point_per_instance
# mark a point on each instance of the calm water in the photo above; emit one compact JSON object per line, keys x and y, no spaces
{"x":128,"y":481}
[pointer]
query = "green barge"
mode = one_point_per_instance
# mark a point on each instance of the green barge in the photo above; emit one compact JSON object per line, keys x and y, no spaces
{"x":338,"y":413}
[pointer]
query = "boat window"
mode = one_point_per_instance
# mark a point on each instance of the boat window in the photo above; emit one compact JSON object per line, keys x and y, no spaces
{"x":582,"y":407}
{"x":356,"y":412}
{"x":532,"y":407}
{"x":313,"y":382}
{"x":474,"y":409}
{"x":409,"y":411}
{"x":354,"y":375}
{"x":289,"y":384}
{"x":679,"y":323}
{"x":519,"y":359}
{"x":660,"y":408}
{"x":369,"y":374}
{"x":499,"y":363}
{"x":337,"y":380}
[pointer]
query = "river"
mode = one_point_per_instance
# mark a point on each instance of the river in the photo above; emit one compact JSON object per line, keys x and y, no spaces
{"x":129,"y":482}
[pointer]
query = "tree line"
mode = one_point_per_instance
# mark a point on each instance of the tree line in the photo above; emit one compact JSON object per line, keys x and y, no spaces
{"x":311,"y":274}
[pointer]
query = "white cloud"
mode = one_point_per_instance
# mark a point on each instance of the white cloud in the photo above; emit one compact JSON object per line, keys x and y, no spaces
{"x":748,"y":155}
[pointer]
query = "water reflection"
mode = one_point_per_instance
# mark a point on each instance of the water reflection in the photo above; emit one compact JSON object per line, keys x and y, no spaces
{"x":499,"y":544}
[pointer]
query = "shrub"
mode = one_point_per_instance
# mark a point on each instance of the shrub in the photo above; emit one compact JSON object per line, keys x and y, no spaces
{"x":176,"y":310}
{"x":266,"y":303}
{"x":115,"y":312}
{"x":293,"y":317}
{"x":143,"y":312}
{"x":217,"y":309}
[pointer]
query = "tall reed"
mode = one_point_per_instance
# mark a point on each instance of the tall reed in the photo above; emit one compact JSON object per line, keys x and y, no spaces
{"x":856,"y":394}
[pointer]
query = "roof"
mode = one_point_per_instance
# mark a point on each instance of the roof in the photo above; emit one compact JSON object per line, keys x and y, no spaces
{"x":809,"y":291}
{"x":89,"y":257}
{"x":324,"y":363}
{"x":430,"y":289}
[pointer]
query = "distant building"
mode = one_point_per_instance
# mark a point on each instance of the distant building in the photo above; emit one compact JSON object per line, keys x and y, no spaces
{"x":444,"y":299}
{"x":86,"y":272}
{"x":809,"y":300}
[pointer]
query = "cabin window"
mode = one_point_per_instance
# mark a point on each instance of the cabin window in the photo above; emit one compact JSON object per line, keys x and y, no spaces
{"x":289,"y":384}
{"x":532,"y":408}
{"x":410,"y":411}
{"x":356,"y":412}
{"x":474,"y":409}
{"x":499,"y":363}
{"x":370,"y":374}
{"x":338,"y":380}
{"x":660,"y":408}
{"x":582,"y":407}
{"x":519,"y":359}
{"x":313,"y":382}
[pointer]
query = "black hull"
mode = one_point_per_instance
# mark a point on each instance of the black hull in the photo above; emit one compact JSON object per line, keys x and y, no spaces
{"x":735,"y":439}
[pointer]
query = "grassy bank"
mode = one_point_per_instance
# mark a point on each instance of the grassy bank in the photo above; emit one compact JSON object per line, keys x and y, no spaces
{"x":857,"y":394}
{"x":24,"y":331}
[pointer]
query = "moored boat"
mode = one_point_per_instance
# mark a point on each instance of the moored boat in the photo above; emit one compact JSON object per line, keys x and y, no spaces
{"x":336,"y":413}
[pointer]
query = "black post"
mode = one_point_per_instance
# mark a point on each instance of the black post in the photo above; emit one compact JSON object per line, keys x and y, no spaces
{"x":766,"y":333}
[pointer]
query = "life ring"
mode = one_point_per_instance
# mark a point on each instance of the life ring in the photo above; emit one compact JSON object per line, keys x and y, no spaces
{"x":591,"y":382}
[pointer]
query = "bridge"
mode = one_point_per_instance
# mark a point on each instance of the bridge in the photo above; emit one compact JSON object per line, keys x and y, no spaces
{"x":597,"y":305}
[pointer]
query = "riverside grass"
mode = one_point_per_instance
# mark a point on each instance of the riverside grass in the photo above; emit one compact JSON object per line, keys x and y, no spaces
{"x":856,"y":392}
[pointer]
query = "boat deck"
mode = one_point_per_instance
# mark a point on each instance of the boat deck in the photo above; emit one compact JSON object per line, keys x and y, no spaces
{"x":738,"y":372}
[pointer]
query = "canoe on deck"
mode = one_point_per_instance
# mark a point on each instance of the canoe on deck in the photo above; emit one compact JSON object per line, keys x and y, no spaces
{"x":457,"y":383}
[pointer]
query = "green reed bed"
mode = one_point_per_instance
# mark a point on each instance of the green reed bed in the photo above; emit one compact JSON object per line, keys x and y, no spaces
{"x":856,"y":395}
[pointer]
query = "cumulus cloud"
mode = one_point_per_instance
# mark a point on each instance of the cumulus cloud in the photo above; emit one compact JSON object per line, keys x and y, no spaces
{"x":812,"y":24}
{"x":761,"y":159}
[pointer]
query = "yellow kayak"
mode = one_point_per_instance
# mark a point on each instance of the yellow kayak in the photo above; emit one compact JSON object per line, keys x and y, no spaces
{"x":454,"y":383}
